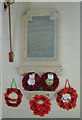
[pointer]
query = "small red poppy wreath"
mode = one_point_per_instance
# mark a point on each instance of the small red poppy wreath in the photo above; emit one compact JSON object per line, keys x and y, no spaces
{"x":49,"y":84}
{"x":40,"y":109}
{"x":31,"y":81}
{"x":10,"y":100}
{"x":67,"y":102}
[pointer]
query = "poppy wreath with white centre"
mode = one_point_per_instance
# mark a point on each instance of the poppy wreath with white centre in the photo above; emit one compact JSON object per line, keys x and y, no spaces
{"x":28,"y":87}
{"x":72,"y":102}
{"x":9,"y":100}
{"x":40,"y":109}
{"x":52,"y":87}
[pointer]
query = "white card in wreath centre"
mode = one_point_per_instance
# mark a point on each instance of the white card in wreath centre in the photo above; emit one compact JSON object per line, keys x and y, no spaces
{"x":66,"y":98}
{"x":31,"y":80}
{"x":50,"y":76}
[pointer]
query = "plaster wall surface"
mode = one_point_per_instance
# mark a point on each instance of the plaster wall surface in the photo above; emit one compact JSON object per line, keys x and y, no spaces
{"x":70,"y":56}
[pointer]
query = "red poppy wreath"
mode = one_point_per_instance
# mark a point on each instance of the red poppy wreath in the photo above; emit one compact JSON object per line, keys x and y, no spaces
{"x":40,"y":109}
{"x":49,"y":81}
{"x":31,"y":81}
{"x":67,"y":97}
{"x":9,"y":100}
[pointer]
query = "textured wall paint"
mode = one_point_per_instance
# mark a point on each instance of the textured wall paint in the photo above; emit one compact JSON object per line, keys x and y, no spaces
{"x":48,"y":0}
{"x":0,"y":55}
{"x":70,"y":43}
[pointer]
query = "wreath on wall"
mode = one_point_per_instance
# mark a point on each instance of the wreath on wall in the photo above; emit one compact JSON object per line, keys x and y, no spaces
{"x":31,"y":81}
{"x":70,"y":102}
{"x":8,"y":100}
{"x":40,"y":109}
{"x":49,"y":84}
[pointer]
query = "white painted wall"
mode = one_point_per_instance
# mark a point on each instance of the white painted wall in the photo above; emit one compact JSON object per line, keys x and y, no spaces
{"x":0,"y":55}
{"x":70,"y":43}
